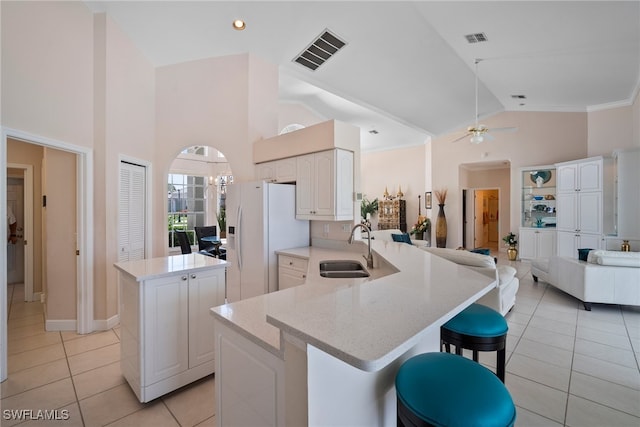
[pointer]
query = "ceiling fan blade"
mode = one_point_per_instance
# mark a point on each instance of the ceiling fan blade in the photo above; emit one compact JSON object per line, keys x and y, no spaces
{"x":462,"y":137}
{"x":488,"y":137}
{"x":510,"y":129}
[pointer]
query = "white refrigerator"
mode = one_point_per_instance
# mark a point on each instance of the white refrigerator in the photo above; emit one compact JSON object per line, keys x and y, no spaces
{"x":260,"y":220}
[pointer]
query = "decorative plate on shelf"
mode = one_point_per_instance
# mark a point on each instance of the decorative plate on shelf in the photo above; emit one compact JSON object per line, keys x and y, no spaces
{"x":544,"y":174}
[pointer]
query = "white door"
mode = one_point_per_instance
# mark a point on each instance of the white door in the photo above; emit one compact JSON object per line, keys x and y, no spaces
{"x":131,"y":215}
{"x":15,"y":252}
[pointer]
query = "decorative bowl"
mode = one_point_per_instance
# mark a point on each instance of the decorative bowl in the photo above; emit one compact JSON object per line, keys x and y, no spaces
{"x":538,"y":197}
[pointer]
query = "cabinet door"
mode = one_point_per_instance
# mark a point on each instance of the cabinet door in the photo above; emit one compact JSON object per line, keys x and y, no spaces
{"x":165,"y":328}
{"x":288,"y":278}
{"x":527,"y":244}
{"x":567,"y":244}
{"x":546,"y":244}
{"x":206,"y":290}
{"x":590,"y":176}
{"x":567,"y":211}
{"x":266,"y":171}
{"x":305,"y":168}
{"x":590,"y":212}
{"x":592,"y":241}
{"x":325,"y":184}
{"x":567,"y":178}
{"x":285,"y":170}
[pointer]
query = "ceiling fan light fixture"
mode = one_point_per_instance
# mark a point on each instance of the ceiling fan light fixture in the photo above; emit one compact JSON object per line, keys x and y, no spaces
{"x":477,"y":139}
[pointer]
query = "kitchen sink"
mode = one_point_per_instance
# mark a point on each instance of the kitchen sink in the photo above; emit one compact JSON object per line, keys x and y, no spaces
{"x":342,"y":269}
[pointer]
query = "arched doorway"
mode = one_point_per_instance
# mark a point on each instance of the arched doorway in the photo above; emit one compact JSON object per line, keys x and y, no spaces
{"x":196,"y":193}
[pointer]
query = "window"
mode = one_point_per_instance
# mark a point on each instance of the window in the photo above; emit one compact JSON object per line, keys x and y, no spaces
{"x":186,"y":206}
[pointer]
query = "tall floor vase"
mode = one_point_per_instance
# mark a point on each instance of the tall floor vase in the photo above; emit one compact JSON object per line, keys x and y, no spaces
{"x":441,"y":228}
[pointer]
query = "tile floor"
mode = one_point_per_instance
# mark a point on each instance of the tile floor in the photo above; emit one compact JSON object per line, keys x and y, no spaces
{"x":565,"y":366}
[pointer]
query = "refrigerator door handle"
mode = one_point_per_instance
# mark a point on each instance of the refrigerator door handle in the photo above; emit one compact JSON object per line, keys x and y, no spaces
{"x":239,"y":238}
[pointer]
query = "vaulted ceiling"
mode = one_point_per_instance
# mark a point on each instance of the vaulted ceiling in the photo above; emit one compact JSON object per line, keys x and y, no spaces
{"x":407,"y":70}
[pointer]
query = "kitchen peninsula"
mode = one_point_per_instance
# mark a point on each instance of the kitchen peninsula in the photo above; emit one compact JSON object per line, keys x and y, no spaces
{"x":326,"y":352}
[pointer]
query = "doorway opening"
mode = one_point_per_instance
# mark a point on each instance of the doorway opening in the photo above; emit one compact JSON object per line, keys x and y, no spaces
{"x":485,"y":203}
{"x":82,"y":233}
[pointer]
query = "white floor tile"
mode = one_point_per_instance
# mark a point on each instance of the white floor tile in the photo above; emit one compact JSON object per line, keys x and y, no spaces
{"x":539,"y":371}
{"x":608,"y":371}
{"x":606,"y":338}
{"x":584,"y":413}
{"x":616,"y":396}
{"x":545,"y":353}
{"x":606,"y":352}
{"x":538,"y":398}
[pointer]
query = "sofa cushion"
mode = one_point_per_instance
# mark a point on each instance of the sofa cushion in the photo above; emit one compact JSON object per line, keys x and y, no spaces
{"x":614,"y":258}
{"x":402,"y":238}
{"x":463,"y":257}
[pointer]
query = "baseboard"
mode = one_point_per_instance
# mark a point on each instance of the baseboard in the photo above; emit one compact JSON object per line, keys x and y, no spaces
{"x":60,"y":325}
{"x":37,"y":297}
{"x":103,"y":325}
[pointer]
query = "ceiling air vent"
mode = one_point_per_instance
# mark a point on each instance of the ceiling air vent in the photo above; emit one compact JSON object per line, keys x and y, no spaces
{"x":476,"y":38}
{"x":322,"y":48}
{"x":518,"y":97}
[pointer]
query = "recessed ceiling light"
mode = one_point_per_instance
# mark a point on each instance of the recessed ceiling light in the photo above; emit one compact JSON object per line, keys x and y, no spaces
{"x":238,"y":24}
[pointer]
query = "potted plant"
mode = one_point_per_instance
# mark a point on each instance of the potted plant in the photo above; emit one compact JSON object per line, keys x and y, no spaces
{"x":368,"y":208}
{"x":222,"y":222}
{"x":420,"y":227}
{"x":511,"y":240}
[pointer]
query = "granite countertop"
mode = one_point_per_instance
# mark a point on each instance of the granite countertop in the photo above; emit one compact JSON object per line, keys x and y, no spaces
{"x":365,"y":322}
{"x":151,"y":268}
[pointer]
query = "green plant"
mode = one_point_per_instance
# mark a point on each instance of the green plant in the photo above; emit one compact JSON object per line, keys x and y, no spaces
{"x":367,"y":207}
{"x":510,"y":239}
{"x":421,"y":226}
{"x":222,"y":219}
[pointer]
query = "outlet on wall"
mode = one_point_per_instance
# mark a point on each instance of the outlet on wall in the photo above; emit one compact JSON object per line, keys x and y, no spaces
{"x":346,"y":228}
{"x":325,"y":230}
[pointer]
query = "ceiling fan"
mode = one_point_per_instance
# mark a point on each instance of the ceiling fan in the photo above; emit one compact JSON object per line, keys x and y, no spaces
{"x":479,"y":132}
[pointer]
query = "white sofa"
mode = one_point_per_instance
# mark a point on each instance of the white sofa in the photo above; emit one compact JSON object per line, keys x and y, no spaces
{"x":608,"y":277}
{"x":503,"y":297}
{"x":385,"y":235}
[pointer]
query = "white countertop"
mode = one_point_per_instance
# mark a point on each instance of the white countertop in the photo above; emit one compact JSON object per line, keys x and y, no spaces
{"x":157,"y":267}
{"x":365,"y":322}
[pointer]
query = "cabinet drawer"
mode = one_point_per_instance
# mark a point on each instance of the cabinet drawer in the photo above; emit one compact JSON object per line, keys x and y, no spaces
{"x":293,"y":263}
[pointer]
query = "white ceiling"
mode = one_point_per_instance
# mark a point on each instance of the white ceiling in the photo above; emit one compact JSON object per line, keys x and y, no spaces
{"x":407,"y":71}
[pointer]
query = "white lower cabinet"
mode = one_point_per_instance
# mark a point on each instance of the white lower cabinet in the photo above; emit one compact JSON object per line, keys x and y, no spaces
{"x":569,"y":243}
{"x":536,"y":243}
{"x":167,"y":330}
{"x":292,"y":271}
{"x":250,"y":382}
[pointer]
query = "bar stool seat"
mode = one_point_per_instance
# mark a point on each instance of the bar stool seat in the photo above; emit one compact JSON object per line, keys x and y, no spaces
{"x":477,"y":328}
{"x":442,"y":389}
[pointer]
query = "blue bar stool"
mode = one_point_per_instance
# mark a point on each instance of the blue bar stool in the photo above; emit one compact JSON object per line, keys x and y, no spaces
{"x":443,"y":389}
{"x":477,"y":328}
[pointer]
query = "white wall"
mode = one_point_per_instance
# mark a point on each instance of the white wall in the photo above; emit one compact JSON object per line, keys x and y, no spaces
{"x":405,"y":168}
{"x":542,"y":138}
{"x":47,"y":70}
{"x":227,"y":103}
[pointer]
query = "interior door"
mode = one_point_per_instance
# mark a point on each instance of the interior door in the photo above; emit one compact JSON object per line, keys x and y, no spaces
{"x":477,"y":215}
{"x":15,"y":252}
{"x":131,"y":212}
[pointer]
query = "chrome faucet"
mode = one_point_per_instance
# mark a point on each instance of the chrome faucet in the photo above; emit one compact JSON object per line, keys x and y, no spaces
{"x":369,"y":257}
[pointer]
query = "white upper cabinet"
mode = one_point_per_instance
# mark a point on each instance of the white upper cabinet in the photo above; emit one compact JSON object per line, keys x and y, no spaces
{"x":279,"y":171}
{"x":580,"y":176}
{"x":324,"y":186}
